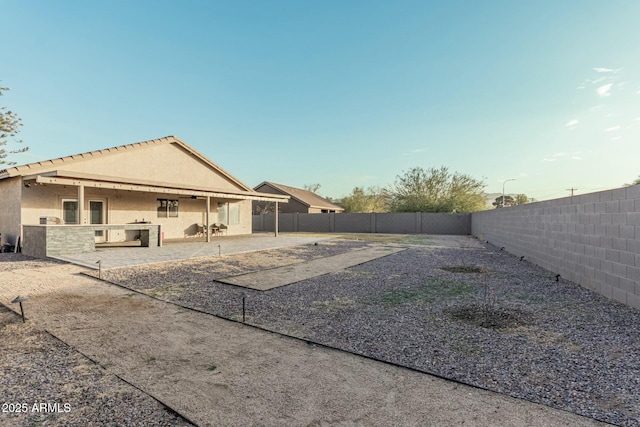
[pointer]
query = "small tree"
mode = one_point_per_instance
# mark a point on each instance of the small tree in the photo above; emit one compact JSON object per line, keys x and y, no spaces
{"x":10,"y":125}
{"x":521,"y":199}
{"x":370,"y":200}
{"x":436,"y":190}
{"x":503,"y":201}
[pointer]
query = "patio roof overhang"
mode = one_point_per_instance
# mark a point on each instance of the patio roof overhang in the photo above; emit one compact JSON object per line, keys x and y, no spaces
{"x":115,"y":183}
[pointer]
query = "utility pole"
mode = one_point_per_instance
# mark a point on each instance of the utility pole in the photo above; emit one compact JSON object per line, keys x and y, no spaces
{"x":572,"y":190}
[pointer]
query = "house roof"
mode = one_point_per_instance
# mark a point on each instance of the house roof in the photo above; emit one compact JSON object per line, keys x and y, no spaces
{"x":44,"y":172}
{"x":305,"y":197}
{"x":33,"y":168}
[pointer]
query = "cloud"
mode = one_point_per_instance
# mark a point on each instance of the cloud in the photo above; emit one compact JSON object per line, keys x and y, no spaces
{"x":572,"y":123}
{"x":604,"y":90}
{"x":562,"y":156}
{"x":612,"y":129}
{"x":615,"y":138}
{"x":605,"y":70}
{"x":554,"y":157}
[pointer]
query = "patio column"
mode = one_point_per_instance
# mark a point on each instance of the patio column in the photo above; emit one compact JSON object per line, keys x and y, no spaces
{"x":80,"y":204}
{"x":275,"y":220}
{"x":206,"y":226}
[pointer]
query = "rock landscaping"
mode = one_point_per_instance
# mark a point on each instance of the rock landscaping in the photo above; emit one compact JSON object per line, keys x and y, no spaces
{"x":472,"y":314}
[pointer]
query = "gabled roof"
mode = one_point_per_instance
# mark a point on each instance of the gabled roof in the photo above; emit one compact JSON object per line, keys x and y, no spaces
{"x":55,"y":171}
{"x":34,"y":168}
{"x":305,"y":197}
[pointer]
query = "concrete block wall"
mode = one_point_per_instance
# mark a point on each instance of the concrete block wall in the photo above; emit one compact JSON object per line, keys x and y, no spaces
{"x":399,"y":223}
{"x":314,"y":222}
{"x":591,"y":239}
{"x":355,"y":223}
{"x":434,"y":223}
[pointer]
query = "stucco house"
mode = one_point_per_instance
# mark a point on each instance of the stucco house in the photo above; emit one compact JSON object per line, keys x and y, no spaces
{"x":301,"y":201}
{"x":163,"y":183}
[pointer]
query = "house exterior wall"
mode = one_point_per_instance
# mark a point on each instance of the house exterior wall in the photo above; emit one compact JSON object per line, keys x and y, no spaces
{"x":167,"y":163}
{"x":591,"y":239}
{"x":294,"y":206}
{"x":291,"y":207}
{"x":10,"y":193}
{"x":123,"y":207}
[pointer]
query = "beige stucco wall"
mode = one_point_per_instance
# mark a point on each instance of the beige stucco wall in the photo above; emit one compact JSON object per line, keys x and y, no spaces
{"x":167,"y":163}
{"x":124,"y":207}
{"x":10,"y":190}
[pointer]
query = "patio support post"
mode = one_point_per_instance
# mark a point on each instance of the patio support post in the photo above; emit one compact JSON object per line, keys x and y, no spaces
{"x":207,"y":226}
{"x":275,"y":220}
{"x":80,"y":204}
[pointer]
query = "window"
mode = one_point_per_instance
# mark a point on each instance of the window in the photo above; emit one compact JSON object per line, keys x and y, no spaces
{"x":229,"y":213}
{"x":70,"y":211}
{"x":222,"y":213}
{"x":167,"y":208}
{"x":234,"y":213}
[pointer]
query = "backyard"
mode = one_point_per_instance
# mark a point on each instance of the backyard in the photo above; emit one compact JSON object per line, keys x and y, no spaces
{"x":456,"y":308}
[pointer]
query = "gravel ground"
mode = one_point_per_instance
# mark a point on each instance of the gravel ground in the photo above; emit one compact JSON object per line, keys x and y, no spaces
{"x":510,"y":327}
{"x":36,"y":368}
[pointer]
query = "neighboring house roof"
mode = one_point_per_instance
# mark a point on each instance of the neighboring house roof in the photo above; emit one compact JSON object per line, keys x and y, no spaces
{"x":305,"y":197}
{"x":56,"y":171}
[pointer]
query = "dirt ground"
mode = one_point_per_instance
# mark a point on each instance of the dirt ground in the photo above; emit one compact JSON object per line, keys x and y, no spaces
{"x":217,"y":372}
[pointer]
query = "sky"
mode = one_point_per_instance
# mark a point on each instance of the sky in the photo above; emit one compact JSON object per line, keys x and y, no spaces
{"x":341,"y":93}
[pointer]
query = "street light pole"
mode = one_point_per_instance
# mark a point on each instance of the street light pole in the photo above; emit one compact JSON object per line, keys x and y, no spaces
{"x":511,"y":179}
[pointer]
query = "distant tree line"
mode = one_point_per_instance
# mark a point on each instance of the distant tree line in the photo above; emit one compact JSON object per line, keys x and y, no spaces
{"x":420,"y":190}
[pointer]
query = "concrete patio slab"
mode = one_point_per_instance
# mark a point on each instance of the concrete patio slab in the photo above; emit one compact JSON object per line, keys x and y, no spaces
{"x":132,"y":256}
{"x":288,"y":274}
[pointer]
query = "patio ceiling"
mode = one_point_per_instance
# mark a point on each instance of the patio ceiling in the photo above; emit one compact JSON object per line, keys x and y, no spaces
{"x":114,"y":183}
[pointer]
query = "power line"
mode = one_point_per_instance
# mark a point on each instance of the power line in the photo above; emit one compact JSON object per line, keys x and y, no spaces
{"x":572,"y":190}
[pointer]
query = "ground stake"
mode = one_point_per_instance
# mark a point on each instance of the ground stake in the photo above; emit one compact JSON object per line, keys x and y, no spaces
{"x":20,"y":299}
